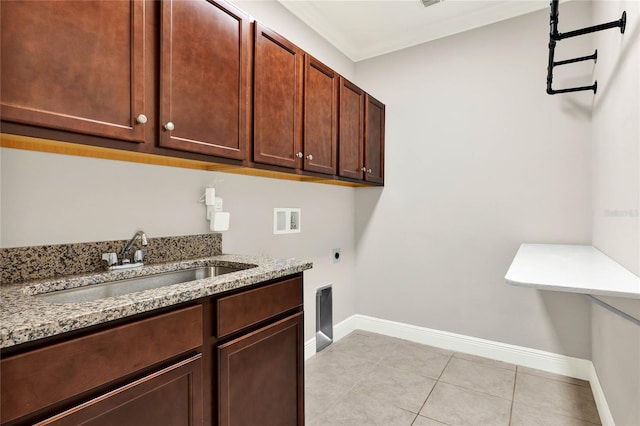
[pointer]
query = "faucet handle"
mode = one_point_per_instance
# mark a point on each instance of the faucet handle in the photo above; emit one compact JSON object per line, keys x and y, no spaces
{"x":138,"y":255}
{"x":111,"y":258}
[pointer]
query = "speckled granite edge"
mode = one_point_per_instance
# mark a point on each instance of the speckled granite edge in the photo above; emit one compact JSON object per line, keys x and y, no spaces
{"x":23,"y":264}
{"x":24,"y":317}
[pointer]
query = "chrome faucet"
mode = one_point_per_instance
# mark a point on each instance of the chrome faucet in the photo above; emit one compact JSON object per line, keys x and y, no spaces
{"x":125,"y":258}
{"x":139,"y":254}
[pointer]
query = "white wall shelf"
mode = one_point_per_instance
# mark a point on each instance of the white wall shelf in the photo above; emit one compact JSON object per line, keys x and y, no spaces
{"x":574,"y":269}
{"x":571,"y":268}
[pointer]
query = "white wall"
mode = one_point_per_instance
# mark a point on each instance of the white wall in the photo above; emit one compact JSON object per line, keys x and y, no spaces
{"x":56,"y":199}
{"x":479,"y":159}
{"x":616,"y":201}
{"x":275,"y":16}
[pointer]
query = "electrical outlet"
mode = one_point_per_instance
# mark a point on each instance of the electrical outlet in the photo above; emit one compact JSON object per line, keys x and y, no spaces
{"x":336,"y":255}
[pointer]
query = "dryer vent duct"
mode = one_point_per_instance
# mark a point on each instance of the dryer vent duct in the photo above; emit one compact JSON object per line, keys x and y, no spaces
{"x":324,"y":317}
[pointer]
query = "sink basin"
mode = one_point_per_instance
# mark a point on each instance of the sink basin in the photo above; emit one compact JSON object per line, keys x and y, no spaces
{"x":132,"y":285}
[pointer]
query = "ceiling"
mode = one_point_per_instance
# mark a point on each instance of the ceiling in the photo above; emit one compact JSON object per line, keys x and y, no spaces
{"x":362,"y":29}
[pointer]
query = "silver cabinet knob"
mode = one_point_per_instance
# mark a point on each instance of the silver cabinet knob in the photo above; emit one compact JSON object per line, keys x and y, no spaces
{"x":169,"y":126}
{"x":369,"y":170}
{"x":309,"y":157}
{"x":141,"y":119}
{"x":364,"y":169}
{"x":299,"y":155}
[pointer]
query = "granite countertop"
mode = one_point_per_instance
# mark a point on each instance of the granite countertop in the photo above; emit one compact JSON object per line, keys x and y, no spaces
{"x":25,"y":317}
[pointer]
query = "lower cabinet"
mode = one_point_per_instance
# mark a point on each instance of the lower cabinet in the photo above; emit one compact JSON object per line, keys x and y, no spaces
{"x":170,"y":397}
{"x":236,"y":358}
{"x":261,"y":376}
{"x":54,"y":378}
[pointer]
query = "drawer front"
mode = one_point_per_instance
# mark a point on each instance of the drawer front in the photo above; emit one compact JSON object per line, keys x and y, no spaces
{"x":250,"y":307}
{"x":167,"y":397}
{"x":39,"y":378}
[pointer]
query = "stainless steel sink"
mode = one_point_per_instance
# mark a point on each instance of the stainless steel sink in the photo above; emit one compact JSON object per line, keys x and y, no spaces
{"x":132,"y":285}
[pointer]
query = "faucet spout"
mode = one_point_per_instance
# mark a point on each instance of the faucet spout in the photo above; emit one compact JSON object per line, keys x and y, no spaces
{"x":127,"y":248}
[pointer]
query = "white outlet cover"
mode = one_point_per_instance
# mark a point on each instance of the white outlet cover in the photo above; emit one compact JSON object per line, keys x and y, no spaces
{"x":220,"y":221}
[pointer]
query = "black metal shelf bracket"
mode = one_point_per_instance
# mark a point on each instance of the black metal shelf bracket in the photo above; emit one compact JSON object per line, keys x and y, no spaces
{"x":555,"y":36}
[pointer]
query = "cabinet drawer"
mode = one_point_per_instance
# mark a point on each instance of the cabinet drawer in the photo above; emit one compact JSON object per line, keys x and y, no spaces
{"x":167,"y":397}
{"x":39,"y":378}
{"x":253,"y":306}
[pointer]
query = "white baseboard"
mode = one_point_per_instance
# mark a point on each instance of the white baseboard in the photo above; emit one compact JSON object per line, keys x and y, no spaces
{"x":519,"y":355}
{"x":542,"y":360}
{"x":339,"y":331}
{"x":606,"y":418}
{"x":309,"y":348}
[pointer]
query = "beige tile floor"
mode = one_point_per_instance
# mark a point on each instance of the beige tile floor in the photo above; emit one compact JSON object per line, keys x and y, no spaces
{"x":369,"y":379}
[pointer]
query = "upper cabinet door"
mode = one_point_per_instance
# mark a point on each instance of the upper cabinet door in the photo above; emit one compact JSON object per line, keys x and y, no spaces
{"x":204,"y":90}
{"x":351,"y":158}
{"x":374,"y":140}
{"x":75,"y":65}
{"x":277,"y":100}
{"x":321,"y":85}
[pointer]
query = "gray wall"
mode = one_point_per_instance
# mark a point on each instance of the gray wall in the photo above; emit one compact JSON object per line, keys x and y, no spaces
{"x":55,"y":199}
{"x":616,"y":202}
{"x":479,"y":160}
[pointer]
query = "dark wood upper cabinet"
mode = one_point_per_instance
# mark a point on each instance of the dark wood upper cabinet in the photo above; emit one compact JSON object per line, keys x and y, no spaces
{"x":351,"y":138}
{"x":278,"y":72}
{"x":75,"y":65}
{"x":204,"y":91}
{"x":193,"y":79}
{"x":321,"y":85}
{"x":374,"y":112}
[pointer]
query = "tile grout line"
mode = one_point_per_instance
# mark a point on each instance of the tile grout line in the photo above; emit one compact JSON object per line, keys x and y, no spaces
{"x":513,"y":395}
{"x":476,"y":390}
{"x":485,"y":363}
{"x":555,"y":412}
{"x":353,"y":385}
{"x":434,"y":386}
{"x":516,"y":373}
{"x":451,"y":354}
{"x":557,"y":380}
{"x":379,"y":363}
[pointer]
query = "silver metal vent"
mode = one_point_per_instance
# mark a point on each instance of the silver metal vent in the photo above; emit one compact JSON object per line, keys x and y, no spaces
{"x":324,"y":317}
{"x":427,"y":3}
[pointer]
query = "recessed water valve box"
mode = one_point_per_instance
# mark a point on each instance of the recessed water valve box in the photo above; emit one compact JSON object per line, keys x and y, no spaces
{"x":286,"y":220}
